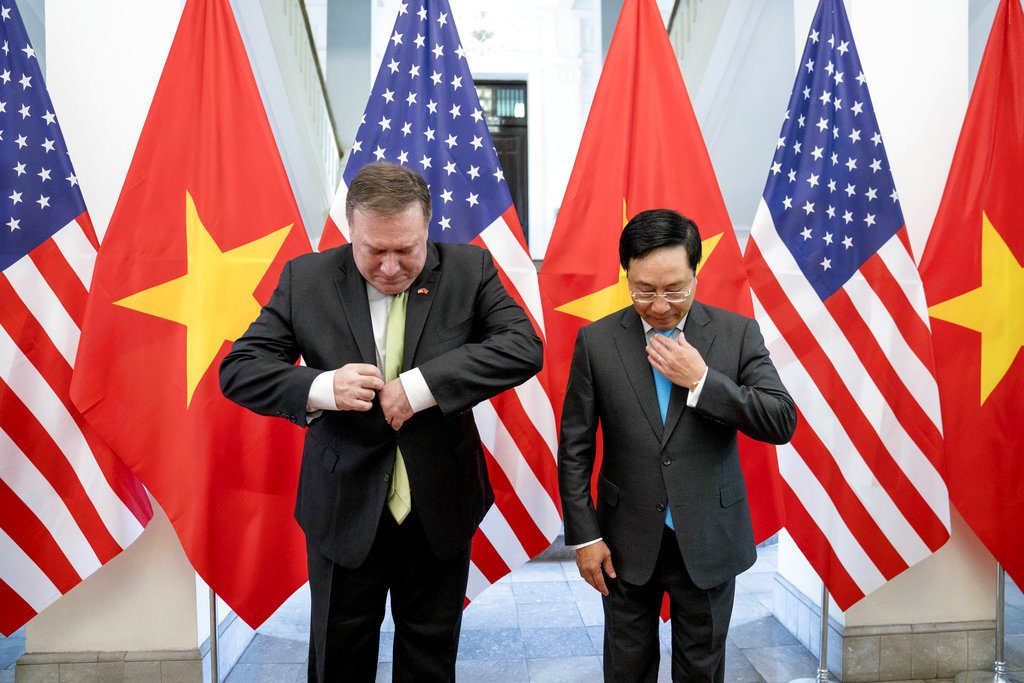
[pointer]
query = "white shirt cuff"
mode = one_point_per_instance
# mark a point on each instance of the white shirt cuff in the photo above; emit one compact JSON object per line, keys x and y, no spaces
{"x":691,"y":400}
{"x":416,"y":390}
{"x":321,"y":395}
{"x":584,"y":545}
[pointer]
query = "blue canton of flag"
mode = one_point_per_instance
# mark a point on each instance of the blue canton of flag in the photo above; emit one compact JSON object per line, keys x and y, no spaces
{"x":40,"y":193}
{"x":424,"y":113}
{"x":830,"y":190}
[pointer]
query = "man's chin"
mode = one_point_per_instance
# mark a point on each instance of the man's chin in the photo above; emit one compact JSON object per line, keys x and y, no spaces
{"x":390,"y":288}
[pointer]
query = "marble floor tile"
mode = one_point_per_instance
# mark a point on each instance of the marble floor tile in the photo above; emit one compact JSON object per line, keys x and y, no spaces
{"x":565,"y":670}
{"x":782,"y":663}
{"x":266,"y":673}
{"x":542,"y":591}
{"x":557,"y":642}
{"x":492,"y":644}
{"x":761,"y":633}
{"x":492,"y":671}
{"x":271,"y":649}
{"x":549,"y":615}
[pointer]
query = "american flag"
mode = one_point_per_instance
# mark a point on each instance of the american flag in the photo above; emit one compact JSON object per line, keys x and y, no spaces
{"x":67,"y":504}
{"x":837,"y":293}
{"x":424,"y":113}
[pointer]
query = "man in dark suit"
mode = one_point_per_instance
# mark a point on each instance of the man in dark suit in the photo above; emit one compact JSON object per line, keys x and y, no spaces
{"x":401,"y":337}
{"x":670,"y":381}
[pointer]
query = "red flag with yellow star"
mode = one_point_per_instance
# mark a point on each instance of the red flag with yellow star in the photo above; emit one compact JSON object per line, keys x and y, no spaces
{"x":205,"y":221}
{"x":974,"y":285}
{"x":642,"y":149}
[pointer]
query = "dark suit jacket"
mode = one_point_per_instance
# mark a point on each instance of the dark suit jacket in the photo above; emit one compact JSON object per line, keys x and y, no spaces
{"x":463,"y":331}
{"x":691,"y":462}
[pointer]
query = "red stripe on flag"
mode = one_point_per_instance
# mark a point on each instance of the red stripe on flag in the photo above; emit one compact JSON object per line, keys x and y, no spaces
{"x":85,"y":223}
{"x":61,"y":278}
{"x":35,"y":540}
{"x":858,"y":428}
{"x":486,"y":558}
{"x":13,"y":610}
{"x":819,"y":553}
{"x":908,"y":411}
{"x":894,"y":298}
{"x":531,"y":444}
{"x":35,"y":442}
{"x":860,"y":522}
{"x":330,"y":237}
{"x":513,"y":510}
{"x":510,"y":287}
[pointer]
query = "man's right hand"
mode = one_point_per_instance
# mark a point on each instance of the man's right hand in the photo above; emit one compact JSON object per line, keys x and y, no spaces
{"x":355,"y":385}
{"x":594,"y":561}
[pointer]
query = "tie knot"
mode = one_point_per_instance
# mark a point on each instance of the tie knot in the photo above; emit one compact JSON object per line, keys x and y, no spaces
{"x":666,"y":333}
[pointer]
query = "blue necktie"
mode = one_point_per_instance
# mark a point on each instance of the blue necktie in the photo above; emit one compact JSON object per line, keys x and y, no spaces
{"x":664,"y":388}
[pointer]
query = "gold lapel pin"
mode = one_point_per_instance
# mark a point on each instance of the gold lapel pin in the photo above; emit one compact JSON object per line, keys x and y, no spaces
{"x":423,"y":290}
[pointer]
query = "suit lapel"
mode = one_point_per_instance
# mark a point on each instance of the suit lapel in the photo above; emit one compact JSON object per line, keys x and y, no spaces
{"x":421,"y":295}
{"x":700,"y":335}
{"x":352,"y":296}
{"x":631,"y":345}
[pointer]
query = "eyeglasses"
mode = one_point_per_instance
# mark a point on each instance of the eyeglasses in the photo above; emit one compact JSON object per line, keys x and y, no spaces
{"x":670,"y":297}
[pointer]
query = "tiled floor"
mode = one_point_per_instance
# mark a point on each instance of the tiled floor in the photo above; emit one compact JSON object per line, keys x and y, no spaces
{"x":543,"y":623}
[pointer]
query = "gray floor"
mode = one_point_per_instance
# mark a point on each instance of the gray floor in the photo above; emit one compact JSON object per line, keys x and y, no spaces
{"x":542,"y":623}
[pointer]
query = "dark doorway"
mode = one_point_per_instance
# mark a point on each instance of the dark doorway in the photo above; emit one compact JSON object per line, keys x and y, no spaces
{"x":504,"y":105}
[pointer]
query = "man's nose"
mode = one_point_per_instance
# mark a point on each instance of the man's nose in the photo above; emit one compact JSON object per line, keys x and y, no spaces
{"x":389,"y":265}
{"x":659,"y":304}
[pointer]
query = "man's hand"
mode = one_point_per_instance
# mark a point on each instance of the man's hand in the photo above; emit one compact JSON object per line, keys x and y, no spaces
{"x":355,"y":385}
{"x":594,"y":561}
{"x":395,"y":404}
{"x":676,"y":359}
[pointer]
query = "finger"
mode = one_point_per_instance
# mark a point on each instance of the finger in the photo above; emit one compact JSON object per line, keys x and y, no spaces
{"x":609,"y":568}
{"x":599,"y":582}
{"x":361,"y":406}
{"x":366,"y":369}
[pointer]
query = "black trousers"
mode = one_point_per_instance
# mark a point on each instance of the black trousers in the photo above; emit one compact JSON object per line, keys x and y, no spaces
{"x":427,"y":597}
{"x":700,"y":623}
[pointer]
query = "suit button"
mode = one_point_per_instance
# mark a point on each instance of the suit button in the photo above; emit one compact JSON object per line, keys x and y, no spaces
{"x":387,"y":477}
{"x":661,"y":507}
{"x":666,"y":461}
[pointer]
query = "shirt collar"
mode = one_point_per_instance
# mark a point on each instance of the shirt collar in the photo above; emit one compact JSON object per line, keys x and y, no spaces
{"x":648,"y":327}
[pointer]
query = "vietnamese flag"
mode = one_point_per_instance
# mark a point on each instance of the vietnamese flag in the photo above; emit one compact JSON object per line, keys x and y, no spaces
{"x":204,"y":223}
{"x":974,"y":284}
{"x":642,"y":149}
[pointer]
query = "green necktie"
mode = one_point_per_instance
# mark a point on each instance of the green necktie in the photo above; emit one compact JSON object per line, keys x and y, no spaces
{"x":400,"y":495}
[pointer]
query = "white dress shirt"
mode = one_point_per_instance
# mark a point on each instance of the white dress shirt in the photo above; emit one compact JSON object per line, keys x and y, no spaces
{"x":321,"y":393}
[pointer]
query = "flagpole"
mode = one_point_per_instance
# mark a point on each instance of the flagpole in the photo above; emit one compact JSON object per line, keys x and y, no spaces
{"x":214,"y":654}
{"x":998,"y":673}
{"x":822,"y":674}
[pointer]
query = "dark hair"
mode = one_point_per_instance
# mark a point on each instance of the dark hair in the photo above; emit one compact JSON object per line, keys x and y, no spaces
{"x":386,"y":189}
{"x":657,"y":228}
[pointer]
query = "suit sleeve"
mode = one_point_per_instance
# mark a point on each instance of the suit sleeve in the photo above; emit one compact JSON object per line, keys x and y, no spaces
{"x":505,"y":351}
{"x":259,"y":372}
{"x":577,"y":448}
{"x":757,"y":404}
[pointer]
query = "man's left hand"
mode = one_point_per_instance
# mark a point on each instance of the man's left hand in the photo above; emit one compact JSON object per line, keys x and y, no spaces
{"x":395,"y":404}
{"x":676,"y":359}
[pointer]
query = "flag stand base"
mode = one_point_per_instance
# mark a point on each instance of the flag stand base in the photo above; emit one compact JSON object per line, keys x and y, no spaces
{"x":984,"y":677}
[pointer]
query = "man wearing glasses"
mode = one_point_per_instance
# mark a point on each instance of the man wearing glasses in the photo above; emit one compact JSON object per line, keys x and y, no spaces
{"x":670,"y":381}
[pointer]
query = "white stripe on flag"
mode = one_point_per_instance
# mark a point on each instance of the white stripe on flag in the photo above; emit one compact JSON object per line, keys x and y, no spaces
{"x":32,"y":488}
{"x":510,"y":256}
{"x":45,"y":307}
{"x":497,"y":530}
{"x":828,"y":519}
{"x":477,"y":583}
{"x":77,"y":250}
{"x":537,"y":405}
{"x":505,"y":450}
{"x":37,"y":395}
{"x":25,"y":577}
{"x":820,"y":418}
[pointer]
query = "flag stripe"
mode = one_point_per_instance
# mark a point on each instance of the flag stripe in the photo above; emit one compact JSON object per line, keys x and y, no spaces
{"x":878,"y":364}
{"x":530,"y":535}
{"x":52,"y":415}
{"x":61,"y":278}
{"x":23,"y":576}
{"x":826,"y":516}
{"x":500,"y":534}
{"x":29,"y":533}
{"x":818,"y":551}
{"x":845,"y":464}
{"x":487,"y":562}
{"x":14,"y":611}
{"x":37,"y":493}
{"x":862,"y":523}
{"x":534,"y":398}
{"x":35,"y":294}
{"x":520,"y":434}
{"x":496,"y":439}
{"x":511,"y":256}
{"x":76,"y":243}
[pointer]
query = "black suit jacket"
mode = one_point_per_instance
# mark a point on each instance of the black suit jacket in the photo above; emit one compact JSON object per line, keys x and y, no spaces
{"x":463,"y":331}
{"x":691,"y":462}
